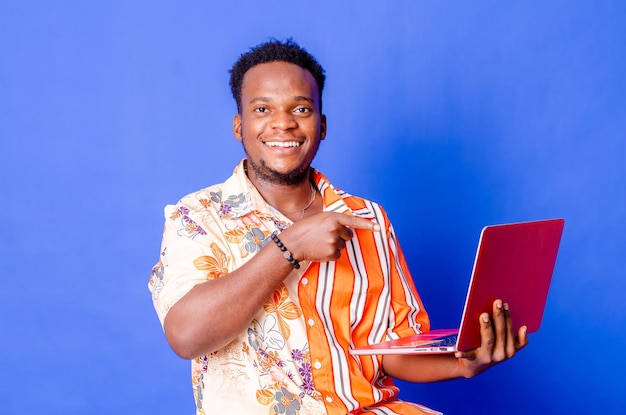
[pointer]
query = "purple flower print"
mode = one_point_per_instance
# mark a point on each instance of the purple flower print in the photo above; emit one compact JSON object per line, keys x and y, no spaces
{"x":297,"y":355}
{"x":225,"y":210}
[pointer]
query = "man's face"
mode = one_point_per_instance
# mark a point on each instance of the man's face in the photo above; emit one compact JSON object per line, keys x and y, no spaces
{"x":280,"y":124}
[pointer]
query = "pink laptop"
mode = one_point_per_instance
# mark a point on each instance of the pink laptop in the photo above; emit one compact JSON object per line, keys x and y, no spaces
{"x":514,"y":262}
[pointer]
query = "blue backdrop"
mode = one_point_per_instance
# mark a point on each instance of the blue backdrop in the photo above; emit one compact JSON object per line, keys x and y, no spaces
{"x":452,"y":115}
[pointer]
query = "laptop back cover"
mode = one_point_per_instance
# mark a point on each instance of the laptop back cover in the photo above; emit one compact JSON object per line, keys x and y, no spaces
{"x":514,"y":262}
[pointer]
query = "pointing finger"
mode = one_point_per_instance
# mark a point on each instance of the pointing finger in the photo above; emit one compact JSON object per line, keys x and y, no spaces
{"x":358,"y":223}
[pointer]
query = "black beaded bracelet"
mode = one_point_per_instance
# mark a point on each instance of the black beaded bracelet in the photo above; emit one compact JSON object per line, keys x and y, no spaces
{"x":284,"y":250}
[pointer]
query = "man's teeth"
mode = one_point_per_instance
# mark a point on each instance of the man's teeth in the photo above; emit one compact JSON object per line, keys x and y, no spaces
{"x":283,"y":144}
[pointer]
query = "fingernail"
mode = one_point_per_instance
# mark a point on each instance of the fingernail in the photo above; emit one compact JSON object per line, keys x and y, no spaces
{"x":499,"y":304}
{"x":486,"y":318}
{"x":506,"y":306}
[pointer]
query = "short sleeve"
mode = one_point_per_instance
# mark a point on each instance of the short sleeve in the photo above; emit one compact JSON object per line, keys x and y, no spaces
{"x":192,"y":251}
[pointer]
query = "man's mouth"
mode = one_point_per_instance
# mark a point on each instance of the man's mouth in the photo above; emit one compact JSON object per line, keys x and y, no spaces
{"x":282,"y":143}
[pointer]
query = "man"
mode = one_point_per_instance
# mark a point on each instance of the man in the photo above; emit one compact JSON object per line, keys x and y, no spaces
{"x":266,"y":281}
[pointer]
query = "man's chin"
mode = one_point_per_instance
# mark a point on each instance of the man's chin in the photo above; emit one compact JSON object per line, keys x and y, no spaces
{"x":286,"y":178}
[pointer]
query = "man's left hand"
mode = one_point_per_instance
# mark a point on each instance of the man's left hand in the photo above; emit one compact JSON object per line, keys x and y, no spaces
{"x":498,"y":342}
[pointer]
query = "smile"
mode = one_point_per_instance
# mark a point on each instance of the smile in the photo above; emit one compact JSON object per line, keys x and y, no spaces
{"x":282,"y":143}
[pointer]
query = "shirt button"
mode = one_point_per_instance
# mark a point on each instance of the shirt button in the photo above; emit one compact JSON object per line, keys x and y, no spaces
{"x":317,"y":365}
{"x":329,"y":399}
{"x":305,"y":281}
{"x":311,"y":322}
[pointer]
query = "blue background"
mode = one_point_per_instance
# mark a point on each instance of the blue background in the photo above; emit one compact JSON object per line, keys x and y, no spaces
{"x":452,"y":115}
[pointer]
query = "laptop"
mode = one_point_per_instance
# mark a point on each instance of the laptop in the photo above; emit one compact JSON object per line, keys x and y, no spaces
{"x":514,"y":262}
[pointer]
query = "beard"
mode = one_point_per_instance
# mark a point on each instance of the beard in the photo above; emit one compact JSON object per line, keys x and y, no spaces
{"x":269,"y":175}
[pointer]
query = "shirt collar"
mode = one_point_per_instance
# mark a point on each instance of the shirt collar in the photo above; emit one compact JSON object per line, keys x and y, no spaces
{"x":240,"y":198}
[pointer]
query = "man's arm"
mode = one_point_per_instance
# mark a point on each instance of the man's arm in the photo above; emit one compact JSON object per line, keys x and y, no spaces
{"x":212,"y":313}
{"x":498,"y":343}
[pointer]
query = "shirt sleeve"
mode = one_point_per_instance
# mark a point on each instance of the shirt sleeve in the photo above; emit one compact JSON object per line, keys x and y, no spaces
{"x":192,"y":251}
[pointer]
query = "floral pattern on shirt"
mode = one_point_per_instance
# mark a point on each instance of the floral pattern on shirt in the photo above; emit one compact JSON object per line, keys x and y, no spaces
{"x":216,"y":265}
{"x":286,"y":402}
{"x":284,"y":395}
{"x":255,"y":240}
{"x":283,"y":309}
{"x":290,"y":379}
{"x":156,"y":279}
{"x":199,"y":367}
{"x":234,"y":205}
{"x":249,"y":237}
{"x":189,"y":226}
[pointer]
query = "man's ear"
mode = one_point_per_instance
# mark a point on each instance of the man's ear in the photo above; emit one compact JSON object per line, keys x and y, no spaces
{"x":237,"y":127}
{"x":323,"y":127}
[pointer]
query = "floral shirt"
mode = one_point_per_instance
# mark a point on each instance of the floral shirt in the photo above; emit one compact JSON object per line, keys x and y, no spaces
{"x":293,"y":358}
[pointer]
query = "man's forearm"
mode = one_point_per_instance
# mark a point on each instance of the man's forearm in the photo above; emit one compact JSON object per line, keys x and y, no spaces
{"x":422,"y":368}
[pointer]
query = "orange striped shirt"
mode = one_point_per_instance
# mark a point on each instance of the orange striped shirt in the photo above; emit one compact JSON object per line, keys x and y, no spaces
{"x":294,"y":357}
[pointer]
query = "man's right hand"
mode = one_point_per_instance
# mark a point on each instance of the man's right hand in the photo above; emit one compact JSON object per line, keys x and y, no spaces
{"x":322,"y":237}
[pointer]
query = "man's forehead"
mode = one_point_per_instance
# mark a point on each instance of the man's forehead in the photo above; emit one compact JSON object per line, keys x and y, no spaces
{"x":280,"y":76}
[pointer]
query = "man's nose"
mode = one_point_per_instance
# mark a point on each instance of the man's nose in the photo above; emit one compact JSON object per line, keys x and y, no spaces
{"x":283,"y":120}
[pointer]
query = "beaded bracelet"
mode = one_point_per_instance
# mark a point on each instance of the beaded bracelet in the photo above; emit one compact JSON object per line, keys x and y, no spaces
{"x":284,"y":250}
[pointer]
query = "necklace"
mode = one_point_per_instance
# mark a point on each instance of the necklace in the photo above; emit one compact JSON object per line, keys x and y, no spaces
{"x":308,"y":205}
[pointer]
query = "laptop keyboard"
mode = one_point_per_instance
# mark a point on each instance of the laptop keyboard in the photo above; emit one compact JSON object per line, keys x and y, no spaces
{"x":447,"y":340}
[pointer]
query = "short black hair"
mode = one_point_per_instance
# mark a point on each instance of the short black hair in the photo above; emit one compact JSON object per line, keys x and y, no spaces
{"x":275,"y":50}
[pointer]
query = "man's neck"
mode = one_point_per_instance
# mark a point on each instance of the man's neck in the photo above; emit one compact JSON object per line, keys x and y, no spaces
{"x":294,"y":201}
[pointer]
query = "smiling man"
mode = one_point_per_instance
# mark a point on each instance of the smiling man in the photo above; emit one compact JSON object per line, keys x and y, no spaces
{"x":283,"y":124}
{"x":266,"y":281}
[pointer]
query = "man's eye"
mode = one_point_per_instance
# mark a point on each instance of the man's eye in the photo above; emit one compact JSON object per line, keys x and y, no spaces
{"x":260,"y":109}
{"x":303,"y":110}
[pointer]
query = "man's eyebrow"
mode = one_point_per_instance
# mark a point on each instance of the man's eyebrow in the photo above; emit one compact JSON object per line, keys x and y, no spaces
{"x":302,"y":98}
{"x":297,"y":98}
{"x":259,"y":99}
